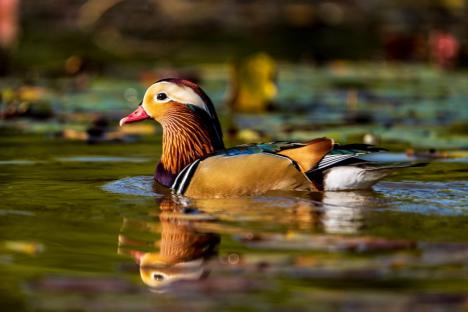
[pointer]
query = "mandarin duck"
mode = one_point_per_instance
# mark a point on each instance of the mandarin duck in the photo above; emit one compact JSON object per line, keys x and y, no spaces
{"x":195,"y":163}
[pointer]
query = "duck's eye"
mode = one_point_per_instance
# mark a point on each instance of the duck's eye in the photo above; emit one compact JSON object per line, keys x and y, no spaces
{"x":158,"y":277}
{"x":161,"y":96}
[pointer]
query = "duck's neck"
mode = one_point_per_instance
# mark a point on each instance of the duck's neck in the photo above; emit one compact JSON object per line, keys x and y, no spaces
{"x":188,"y":135}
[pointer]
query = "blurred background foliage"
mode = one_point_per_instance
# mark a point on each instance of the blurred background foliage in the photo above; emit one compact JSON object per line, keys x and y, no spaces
{"x":106,"y":32}
{"x":80,"y":64}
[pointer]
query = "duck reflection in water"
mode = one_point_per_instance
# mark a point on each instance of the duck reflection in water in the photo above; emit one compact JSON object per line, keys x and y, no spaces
{"x":344,"y":212}
{"x":184,"y":250}
{"x":318,"y":212}
{"x":188,"y":242}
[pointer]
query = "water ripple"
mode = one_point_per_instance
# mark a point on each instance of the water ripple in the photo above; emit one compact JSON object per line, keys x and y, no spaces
{"x":443,"y":198}
{"x":139,"y":185}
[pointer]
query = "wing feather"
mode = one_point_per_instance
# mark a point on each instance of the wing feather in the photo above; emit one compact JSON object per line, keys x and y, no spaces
{"x":344,"y":153}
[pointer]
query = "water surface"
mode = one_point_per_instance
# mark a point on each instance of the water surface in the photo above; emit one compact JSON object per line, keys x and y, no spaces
{"x":83,"y":228}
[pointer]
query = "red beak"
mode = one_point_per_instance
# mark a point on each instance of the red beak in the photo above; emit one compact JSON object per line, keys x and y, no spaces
{"x":138,"y":115}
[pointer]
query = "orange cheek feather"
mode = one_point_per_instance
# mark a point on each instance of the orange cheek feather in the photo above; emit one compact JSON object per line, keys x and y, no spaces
{"x":162,"y":110}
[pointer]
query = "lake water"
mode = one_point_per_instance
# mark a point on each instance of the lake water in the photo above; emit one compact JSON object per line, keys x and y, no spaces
{"x":82,"y":228}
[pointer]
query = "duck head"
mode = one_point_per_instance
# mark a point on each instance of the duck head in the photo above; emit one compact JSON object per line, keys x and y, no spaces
{"x":191,"y":128}
{"x":167,"y":94}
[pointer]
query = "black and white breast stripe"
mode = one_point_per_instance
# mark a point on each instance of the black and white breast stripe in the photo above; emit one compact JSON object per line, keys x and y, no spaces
{"x":182,"y":180}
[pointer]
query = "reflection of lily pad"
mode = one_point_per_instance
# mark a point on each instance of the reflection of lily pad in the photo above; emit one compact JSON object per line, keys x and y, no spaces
{"x":111,"y":159}
{"x":18,"y":162}
{"x":328,"y":243}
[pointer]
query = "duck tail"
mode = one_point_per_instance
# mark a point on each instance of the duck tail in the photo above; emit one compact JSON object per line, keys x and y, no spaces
{"x":372,"y":166}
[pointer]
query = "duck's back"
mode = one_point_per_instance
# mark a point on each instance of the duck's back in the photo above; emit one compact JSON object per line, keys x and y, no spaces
{"x":255,"y":169}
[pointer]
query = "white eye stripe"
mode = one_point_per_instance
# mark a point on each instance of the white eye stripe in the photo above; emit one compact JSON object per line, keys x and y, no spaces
{"x":176,"y":93}
{"x":182,"y":94}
